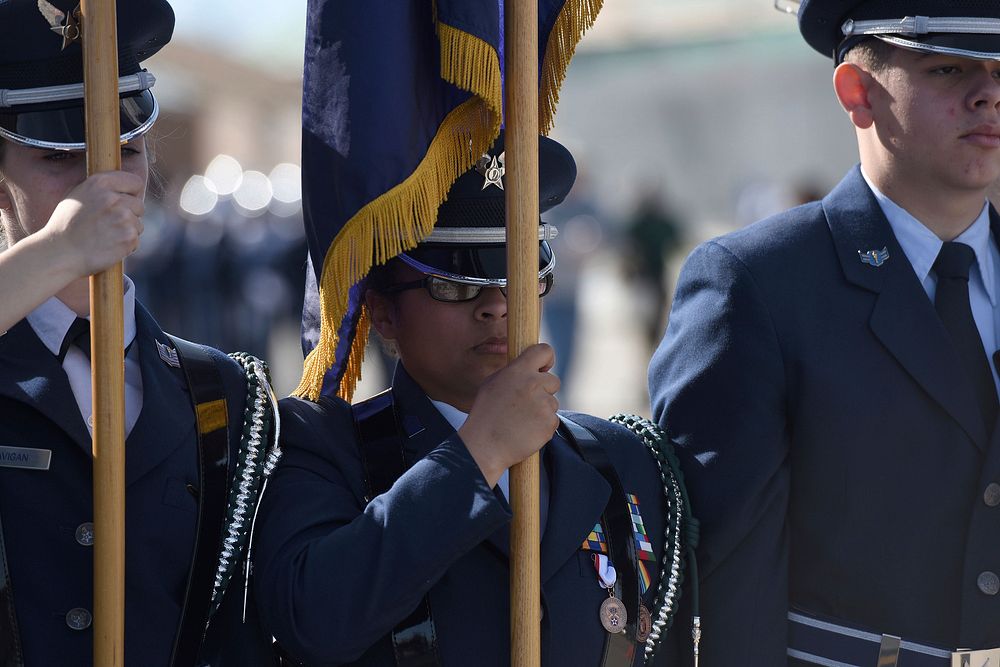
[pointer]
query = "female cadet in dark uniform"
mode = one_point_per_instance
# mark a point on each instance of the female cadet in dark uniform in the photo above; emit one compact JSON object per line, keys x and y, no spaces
{"x":383,"y":539}
{"x":184,"y":550}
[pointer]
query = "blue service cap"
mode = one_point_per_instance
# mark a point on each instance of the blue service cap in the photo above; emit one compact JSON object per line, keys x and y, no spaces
{"x":964,"y":28}
{"x":41,"y":69}
{"x":468,"y":243}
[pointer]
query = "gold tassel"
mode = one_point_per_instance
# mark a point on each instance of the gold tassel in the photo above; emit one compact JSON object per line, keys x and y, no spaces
{"x":398,"y":219}
{"x":352,"y":372}
{"x":575,"y":18}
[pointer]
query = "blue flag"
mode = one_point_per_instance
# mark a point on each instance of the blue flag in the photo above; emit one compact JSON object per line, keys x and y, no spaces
{"x":400,"y":98}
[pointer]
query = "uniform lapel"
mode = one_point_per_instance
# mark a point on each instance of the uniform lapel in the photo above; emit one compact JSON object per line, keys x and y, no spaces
{"x":995,"y":354}
{"x":31,"y":374}
{"x":577,"y":492}
{"x":903,"y":318}
{"x":577,"y":497}
{"x":167,"y":417}
{"x":426,"y":428}
{"x":423,"y":425}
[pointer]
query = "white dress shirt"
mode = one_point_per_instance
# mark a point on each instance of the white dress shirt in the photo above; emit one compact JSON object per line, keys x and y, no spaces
{"x":921,"y":247}
{"x":51,"y":322}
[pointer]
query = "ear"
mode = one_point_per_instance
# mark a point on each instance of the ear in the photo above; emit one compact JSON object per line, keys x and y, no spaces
{"x":381,"y":313}
{"x":5,"y":202}
{"x":853,"y":86}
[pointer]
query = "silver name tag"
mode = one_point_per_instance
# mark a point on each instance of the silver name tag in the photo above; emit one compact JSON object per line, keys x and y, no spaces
{"x":25,"y":457}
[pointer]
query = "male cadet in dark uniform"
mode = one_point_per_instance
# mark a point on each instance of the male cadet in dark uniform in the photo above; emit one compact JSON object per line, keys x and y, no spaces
{"x":186,"y":524}
{"x":828,"y":374}
{"x":383,"y":537}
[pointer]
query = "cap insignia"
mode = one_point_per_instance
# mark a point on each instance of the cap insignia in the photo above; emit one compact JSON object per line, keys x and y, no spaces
{"x":492,"y":168}
{"x":67,"y":25}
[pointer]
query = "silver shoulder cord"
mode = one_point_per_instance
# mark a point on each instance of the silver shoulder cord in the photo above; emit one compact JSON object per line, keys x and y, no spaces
{"x":273,"y":456}
{"x":651,"y":436}
{"x":259,"y":463}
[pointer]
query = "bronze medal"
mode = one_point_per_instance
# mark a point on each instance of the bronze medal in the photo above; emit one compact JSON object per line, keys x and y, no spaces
{"x":613,"y":615}
{"x":644,"y":625}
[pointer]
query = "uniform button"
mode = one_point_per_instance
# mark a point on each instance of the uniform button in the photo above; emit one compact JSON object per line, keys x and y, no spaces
{"x":78,"y":619}
{"x":90,"y":422}
{"x":991,"y":496}
{"x":988,"y":583}
{"x":85,"y":534}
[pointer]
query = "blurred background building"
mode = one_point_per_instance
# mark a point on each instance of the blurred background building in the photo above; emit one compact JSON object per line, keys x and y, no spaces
{"x":688,"y":118}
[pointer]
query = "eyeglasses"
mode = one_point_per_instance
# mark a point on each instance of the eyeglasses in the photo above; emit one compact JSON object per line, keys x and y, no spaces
{"x":451,"y":291}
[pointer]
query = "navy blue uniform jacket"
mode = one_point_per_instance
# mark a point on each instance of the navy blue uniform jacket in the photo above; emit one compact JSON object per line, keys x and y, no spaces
{"x":334,"y":576}
{"x":50,"y":571}
{"x":834,"y":453}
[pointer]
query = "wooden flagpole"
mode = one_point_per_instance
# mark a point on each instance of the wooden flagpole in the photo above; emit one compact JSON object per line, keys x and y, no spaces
{"x":521,"y":179}
{"x":100,"y":52}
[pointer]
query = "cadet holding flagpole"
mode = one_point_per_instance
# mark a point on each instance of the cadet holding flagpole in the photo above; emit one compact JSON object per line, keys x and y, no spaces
{"x":198,"y":423}
{"x":384,"y":538}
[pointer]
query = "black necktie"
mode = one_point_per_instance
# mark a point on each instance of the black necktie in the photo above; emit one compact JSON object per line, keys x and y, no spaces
{"x":952,"y":304}
{"x":78,"y":335}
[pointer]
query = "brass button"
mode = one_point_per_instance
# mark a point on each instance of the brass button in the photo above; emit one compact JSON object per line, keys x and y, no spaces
{"x":988,"y":583}
{"x":78,"y":619}
{"x":85,"y":534}
{"x":991,"y":496}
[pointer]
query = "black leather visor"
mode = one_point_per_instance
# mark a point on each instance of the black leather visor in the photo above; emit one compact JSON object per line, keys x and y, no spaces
{"x":61,"y":125}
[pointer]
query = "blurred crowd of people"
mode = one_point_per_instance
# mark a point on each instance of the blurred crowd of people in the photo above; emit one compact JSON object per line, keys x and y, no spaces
{"x":226,"y":279}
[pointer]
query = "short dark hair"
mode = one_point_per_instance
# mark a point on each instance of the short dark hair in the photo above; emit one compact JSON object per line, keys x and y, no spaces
{"x":382,"y":276}
{"x":379,"y":279}
{"x":872,"y":54}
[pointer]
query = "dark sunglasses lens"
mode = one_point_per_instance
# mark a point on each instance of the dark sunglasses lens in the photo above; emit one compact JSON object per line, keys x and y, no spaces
{"x":545,"y":285}
{"x":441,"y":289}
{"x":447,"y":290}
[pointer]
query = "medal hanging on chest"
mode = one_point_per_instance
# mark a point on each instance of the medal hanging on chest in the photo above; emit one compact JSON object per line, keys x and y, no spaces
{"x":613,"y":614}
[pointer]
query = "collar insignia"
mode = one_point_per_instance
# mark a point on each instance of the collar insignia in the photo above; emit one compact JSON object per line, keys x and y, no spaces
{"x":67,"y":25}
{"x":492,"y":168}
{"x":168,"y":355}
{"x":874,"y":258}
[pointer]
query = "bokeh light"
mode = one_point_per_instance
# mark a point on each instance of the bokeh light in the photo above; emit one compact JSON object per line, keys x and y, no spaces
{"x":226,"y":173}
{"x":286,"y":179}
{"x":198,"y":197}
{"x":254,"y":193}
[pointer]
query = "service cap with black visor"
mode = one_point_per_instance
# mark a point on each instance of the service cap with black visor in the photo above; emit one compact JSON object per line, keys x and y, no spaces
{"x":962,"y":28}
{"x":467,"y":250}
{"x":41,"y":92}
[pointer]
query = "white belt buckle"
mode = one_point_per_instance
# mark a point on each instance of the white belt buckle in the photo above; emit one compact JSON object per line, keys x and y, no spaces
{"x":988,"y":657}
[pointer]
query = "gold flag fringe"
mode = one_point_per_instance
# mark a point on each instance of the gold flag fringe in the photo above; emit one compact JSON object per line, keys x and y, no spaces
{"x":575,"y":18}
{"x":398,"y":219}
